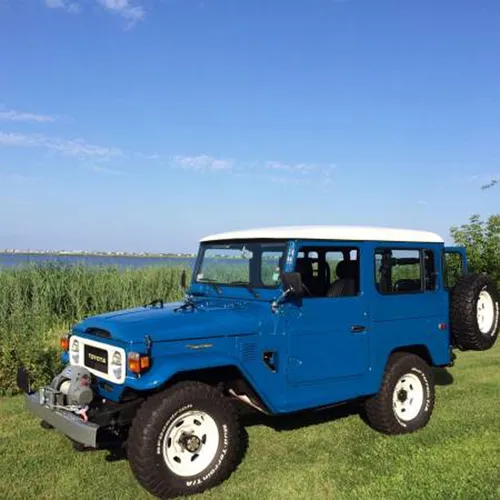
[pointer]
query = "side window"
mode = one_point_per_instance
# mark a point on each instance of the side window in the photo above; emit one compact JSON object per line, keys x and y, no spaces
{"x":329,"y":271}
{"x":271,"y":267}
{"x":333,"y":258}
{"x":398,"y":271}
{"x":453,"y":268}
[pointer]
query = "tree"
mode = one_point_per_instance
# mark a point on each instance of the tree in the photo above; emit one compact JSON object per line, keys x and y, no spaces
{"x":482,"y":242}
{"x":490,"y":184}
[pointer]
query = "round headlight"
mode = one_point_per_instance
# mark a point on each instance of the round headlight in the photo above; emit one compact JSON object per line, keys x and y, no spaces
{"x":75,"y":347}
{"x":116,"y":359}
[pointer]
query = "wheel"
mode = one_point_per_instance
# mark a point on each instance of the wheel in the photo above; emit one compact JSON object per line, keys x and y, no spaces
{"x":474,"y":313}
{"x":406,"y":399}
{"x":185,"y":440}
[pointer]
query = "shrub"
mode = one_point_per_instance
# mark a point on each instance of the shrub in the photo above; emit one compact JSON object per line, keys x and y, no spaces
{"x":39,"y":303}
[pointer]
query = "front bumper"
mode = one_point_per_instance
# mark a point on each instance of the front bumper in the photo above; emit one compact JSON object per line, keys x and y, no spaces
{"x":67,"y":423}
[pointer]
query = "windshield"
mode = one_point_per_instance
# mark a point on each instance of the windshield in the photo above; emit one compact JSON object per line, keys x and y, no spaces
{"x":258,"y":264}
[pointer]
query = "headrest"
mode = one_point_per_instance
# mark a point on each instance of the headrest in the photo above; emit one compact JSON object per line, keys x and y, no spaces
{"x":347,"y":269}
{"x":303,"y":266}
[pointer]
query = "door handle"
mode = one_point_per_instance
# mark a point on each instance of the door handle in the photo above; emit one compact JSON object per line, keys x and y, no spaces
{"x":358,"y":328}
{"x":270,"y":360}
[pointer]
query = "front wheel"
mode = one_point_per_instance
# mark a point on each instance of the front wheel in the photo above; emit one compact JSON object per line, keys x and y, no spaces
{"x":185,"y":440}
{"x":406,"y":399}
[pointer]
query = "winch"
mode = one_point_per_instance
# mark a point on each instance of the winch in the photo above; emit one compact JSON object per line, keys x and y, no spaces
{"x":70,"y":390}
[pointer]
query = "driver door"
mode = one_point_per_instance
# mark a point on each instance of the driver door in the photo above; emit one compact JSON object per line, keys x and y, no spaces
{"x":328,"y":336}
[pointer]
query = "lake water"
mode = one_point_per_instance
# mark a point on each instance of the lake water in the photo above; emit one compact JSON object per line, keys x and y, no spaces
{"x":12,"y":260}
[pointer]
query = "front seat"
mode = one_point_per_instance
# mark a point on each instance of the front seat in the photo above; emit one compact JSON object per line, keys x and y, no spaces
{"x":305,"y":268}
{"x":347,"y":283}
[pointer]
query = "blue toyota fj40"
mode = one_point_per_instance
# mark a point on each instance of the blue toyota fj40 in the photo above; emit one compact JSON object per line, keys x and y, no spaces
{"x":283,"y":319}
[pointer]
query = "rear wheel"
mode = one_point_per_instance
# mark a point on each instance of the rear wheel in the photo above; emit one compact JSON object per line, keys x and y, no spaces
{"x":406,"y":399}
{"x":185,"y":440}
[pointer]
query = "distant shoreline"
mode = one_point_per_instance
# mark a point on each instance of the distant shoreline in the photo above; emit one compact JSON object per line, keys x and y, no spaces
{"x":100,"y":254}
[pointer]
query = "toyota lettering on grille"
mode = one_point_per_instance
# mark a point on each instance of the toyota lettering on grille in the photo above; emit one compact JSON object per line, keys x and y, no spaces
{"x":96,"y":358}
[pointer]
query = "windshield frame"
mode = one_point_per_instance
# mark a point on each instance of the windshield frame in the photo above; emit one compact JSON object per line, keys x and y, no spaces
{"x":196,"y":284}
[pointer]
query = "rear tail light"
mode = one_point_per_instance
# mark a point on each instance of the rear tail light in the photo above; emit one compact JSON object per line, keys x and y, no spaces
{"x":138,"y":363}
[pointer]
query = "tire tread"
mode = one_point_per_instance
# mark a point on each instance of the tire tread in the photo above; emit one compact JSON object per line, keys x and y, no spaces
{"x":143,"y":430}
{"x":378,"y":409}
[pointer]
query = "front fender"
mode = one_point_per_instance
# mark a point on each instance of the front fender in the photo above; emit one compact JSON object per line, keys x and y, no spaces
{"x":175,"y":364}
{"x":161,"y":373}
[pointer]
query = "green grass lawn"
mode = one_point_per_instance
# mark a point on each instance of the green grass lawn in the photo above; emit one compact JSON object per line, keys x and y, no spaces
{"x":330,"y":455}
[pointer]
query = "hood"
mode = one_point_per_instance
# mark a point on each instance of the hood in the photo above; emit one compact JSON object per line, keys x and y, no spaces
{"x":217,"y":318}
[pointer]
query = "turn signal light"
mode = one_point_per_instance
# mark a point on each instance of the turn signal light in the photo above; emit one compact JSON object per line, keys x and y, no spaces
{"x":64,"y":342}
{"x":138,"y":363}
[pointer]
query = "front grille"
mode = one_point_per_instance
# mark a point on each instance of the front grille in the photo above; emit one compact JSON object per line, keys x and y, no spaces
{"x":96,"y":358}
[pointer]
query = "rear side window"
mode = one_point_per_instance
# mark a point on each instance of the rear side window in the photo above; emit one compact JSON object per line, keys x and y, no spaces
{"x":453,"y":268}
{"x":398,"y":271}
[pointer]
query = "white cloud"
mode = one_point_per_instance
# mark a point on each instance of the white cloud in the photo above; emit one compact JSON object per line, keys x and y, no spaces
{"x":269,"y":171}
{"x":21,"y":116}
{"x":104,"y":170}
{"x":287,"y":181}
{"x":68,"y":147}
{"x":319,"y":171}
{"x":71,"y":7}
{"x":296,"y":167}
{"x":202,"y":163}
{"x":130,"y":10}
{"x":124,"y":8}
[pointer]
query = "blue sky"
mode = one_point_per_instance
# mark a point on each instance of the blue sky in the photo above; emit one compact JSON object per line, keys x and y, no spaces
{"x":146,"y":124}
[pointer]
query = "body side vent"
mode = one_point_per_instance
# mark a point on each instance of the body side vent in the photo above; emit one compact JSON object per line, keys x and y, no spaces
{"x":249,"y":351}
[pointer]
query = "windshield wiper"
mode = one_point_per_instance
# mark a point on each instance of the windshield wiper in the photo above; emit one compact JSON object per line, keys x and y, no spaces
{"x":248,"y":286}
{"x":212,"y":283}
{"x":155,"y":303}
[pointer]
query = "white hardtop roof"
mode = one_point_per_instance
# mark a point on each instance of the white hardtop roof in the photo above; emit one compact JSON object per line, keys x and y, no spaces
{"x":342,"y":233}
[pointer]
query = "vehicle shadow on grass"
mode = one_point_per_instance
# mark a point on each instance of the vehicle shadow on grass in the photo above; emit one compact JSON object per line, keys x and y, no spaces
{"x":250,"y":417}
{"x":117,"y":450}
{"x":442,"y":376}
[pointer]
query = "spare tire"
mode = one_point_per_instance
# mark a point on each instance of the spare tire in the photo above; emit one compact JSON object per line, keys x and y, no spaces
{"x":474,"y":313}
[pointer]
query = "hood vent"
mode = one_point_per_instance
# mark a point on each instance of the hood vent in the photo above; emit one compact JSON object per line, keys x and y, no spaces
{"x":98,"y":332}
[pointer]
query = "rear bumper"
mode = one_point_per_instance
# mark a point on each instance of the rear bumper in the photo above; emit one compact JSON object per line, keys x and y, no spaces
{"x":66,"y":423}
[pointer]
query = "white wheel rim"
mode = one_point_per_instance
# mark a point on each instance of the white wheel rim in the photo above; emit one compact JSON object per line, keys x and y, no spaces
{"x":408,"y":397}
{"x":190,"y":443}
{"x":485,"y":312}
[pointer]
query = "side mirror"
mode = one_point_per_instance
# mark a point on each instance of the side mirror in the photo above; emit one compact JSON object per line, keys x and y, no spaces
{"x":184,"y":279}
{"x":292,"y":284}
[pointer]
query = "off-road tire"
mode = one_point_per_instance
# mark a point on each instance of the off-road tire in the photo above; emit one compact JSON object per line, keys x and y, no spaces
{"x":465,"y":330}
{"x":379,"y":411}
{"x":149,"y":429}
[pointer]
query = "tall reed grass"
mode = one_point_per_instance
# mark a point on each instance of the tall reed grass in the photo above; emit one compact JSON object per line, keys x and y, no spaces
{"x":39,"y":303}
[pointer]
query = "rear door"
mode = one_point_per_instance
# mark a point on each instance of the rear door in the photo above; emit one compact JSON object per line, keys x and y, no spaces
{"x":410,"y":305}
